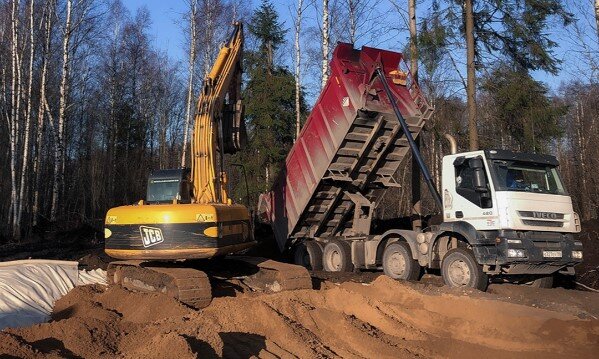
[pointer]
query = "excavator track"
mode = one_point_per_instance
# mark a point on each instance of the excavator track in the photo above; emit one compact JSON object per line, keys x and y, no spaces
{"x":189,"y":286}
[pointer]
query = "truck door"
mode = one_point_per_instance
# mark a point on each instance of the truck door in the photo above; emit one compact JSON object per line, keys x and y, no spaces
{"x":471,"y":193}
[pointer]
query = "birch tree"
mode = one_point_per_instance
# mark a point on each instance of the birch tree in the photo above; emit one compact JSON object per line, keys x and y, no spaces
{"x":59,"y":146}
{"x":413,"y":39}
{"x":25,"y":163}
{"x":298,"y":87}
{"x":325,"y":43}
{"x":49,"y":11}
{"x":597,"y":17}
{"x":415,"y":184}
{"x":191,"y":69}
{"x":209,"y":8}
{"x":352,"y":8}
{"x":13,"y":121}
{"x":362,"y":20}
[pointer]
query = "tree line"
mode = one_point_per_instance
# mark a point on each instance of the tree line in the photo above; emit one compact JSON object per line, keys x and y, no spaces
{"x":89,"y":104}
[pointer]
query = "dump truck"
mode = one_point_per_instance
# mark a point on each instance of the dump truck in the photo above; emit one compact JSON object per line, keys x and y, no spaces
{"x":505,"y":215}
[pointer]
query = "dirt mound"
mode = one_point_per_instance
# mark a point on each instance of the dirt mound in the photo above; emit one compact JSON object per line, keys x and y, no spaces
{"x":384,"y":318}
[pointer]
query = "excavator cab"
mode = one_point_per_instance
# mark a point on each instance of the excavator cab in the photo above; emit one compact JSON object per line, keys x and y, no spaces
{"x":169,"y":186}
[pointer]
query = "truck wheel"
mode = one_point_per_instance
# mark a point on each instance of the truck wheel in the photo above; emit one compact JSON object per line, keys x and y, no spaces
{"x":542,"y":282}
{"x":398,"y":262}
{"x":336,"y":257}
{"x":309,"y":254}
{"x":459,"y":269}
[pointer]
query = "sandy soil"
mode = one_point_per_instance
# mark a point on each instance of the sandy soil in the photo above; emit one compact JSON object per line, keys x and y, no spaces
{"x":383,"y":318}
{"x":346,"y":315}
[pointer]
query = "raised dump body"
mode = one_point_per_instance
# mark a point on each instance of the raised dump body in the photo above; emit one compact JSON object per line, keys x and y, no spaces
{"x":348,"y":151}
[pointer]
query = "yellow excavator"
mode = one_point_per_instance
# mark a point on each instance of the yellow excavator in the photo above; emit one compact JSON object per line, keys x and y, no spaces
{"x":188,"y":214}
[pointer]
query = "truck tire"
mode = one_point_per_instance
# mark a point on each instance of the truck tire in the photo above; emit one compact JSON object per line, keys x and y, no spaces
{"x":460,"y":269}
{"x":398,"y":262}
{"x":336,"y":257}
{"x":308,"y":254}
{"x":542,"y":282}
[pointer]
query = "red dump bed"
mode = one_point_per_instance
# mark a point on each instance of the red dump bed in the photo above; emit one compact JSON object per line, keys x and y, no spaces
{"x":350,"y":147}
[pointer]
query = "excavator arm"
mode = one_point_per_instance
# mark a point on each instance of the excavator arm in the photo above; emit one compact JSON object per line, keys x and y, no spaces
{"x":219,"y":127}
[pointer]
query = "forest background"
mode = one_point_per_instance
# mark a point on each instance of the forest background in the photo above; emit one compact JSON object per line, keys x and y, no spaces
{"x":92,"y":98}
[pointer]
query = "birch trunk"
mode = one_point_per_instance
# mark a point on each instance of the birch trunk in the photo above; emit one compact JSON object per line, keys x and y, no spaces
{"x":597,"y":17}
{"x":59,"y":151}
{"x":471,"y":78}
{"x":25,"y":165}
{"x":40,"y":112}
{"x":584,"y":200}
{"x":209,"y":35}
{"x":353,"y":21}
{"x":325,"y":43}
{"x":416,"y":190}
{"x":298,"y":27}
{"x":192,"y":58}
{"x":413,"y":39}
{"x":14,"y":116}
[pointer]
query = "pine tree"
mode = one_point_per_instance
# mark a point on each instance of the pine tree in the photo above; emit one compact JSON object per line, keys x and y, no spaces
{"x":269,"y":97}
{"x":510,"y":29}
{"x":521,"y":107}
{"x":265,"y":26}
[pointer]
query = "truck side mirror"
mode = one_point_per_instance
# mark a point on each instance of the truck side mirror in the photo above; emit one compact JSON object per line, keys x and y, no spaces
{"x":480,"y":180}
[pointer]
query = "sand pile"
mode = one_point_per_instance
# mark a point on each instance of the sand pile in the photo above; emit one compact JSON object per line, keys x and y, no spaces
{"x":382,"y":319}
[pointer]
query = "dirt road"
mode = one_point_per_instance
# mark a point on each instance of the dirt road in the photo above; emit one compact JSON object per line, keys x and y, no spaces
{"x":383,"y":318}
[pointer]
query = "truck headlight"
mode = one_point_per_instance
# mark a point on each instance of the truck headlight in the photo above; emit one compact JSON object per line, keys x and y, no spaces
{"x":516,"y":253}
{"x":577,"y":254}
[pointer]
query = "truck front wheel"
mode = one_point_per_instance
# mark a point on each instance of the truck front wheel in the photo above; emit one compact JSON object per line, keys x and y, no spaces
{"x":336,"y":257}
{"x":398,"y":262}
{"x":460,"y":269}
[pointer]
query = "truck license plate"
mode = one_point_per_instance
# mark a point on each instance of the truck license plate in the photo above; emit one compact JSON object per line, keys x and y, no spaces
{"x":552,"y":254}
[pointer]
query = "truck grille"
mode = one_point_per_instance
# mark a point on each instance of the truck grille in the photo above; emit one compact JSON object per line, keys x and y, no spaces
{"x":547,"y":244}
{"x":531,"y":222}
{"x":542,"y":219}
{"x":541,"y":215}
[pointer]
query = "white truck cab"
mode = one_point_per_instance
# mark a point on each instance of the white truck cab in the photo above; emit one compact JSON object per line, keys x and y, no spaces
{"x":511,"y":211}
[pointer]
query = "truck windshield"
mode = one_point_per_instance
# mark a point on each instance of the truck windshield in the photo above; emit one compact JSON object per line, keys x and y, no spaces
{"x":527,"y":177}
{"x":162,"y":190}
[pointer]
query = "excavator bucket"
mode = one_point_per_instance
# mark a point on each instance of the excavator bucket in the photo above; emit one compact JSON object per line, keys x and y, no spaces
{"x":275,"y":276}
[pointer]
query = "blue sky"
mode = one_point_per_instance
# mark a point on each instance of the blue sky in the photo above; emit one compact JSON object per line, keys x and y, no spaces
{"x":168,"y":35}
{"x":166,"y":21}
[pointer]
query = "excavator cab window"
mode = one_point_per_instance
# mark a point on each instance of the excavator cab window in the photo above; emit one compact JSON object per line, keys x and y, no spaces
{"x":166,"y":186}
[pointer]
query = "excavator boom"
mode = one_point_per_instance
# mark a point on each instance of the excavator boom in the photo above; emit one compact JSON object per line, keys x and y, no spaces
{"x":219,"y":120}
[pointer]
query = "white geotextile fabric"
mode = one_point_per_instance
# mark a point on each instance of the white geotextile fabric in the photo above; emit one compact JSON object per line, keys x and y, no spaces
{"x":94,"y":276}
{"x":29,"y":288}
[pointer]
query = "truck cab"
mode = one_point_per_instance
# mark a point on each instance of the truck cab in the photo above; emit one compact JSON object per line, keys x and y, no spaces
{"x":512,"y":211}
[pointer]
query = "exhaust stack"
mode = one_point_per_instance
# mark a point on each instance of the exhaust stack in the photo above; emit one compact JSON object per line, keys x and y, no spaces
{"x":453,"y":144}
